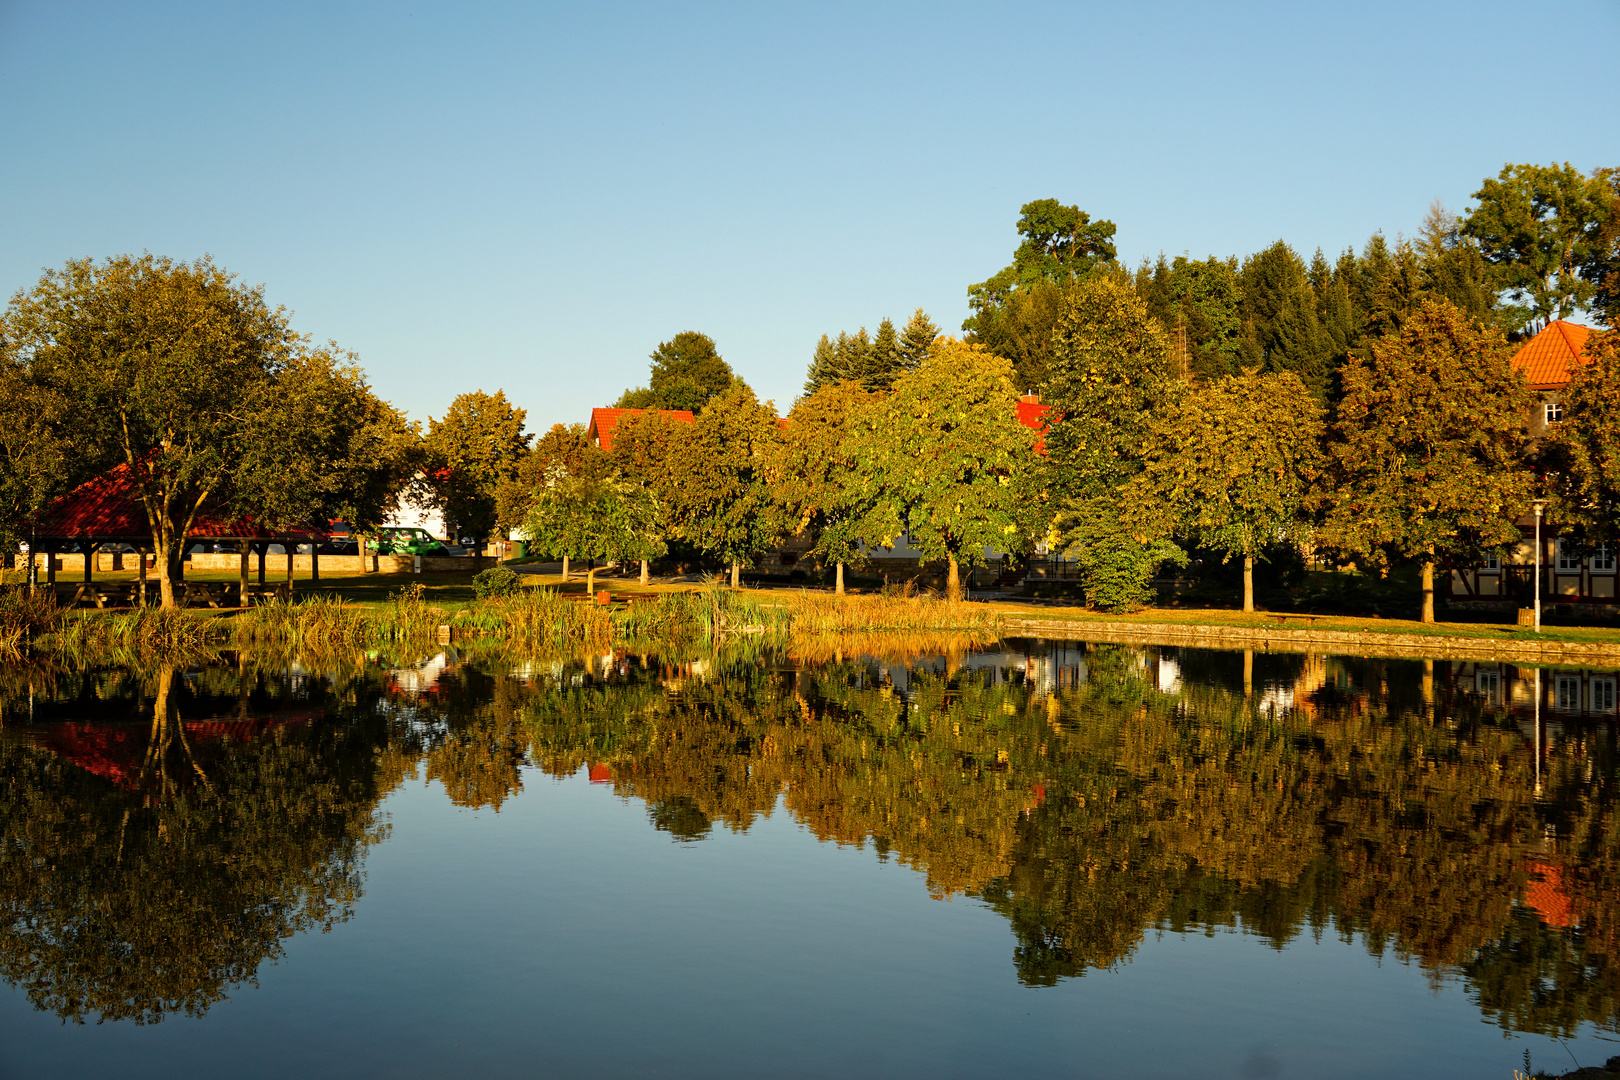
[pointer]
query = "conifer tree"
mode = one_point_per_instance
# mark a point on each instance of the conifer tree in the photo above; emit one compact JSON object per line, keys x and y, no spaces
{"x":824,"y":367}
{"x":884,"y":361}
{"x":917,"y":340}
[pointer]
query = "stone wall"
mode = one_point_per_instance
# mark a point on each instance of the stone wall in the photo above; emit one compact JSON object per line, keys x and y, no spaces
{"x":275,"y":566}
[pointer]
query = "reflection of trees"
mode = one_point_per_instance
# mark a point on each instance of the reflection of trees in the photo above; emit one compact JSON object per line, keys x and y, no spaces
{"x":1110,"y":808}
{"x":131,"y":904}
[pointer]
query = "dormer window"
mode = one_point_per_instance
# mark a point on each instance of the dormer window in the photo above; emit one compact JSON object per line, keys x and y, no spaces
{"x":1552,"y":411}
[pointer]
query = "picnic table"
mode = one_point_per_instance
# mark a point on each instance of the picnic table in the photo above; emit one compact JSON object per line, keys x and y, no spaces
{"x":1285,"y":616}
{"x":104,"y":594}
{"x":267,"y":592}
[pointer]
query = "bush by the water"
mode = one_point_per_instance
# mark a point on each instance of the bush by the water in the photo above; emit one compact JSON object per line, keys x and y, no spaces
{"x":496,"y":581}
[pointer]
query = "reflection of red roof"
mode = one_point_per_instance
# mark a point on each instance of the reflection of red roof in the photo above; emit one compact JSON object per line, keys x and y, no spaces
{"x":605,"y":421}
{"x":109,"y":507}
{"x":1546,"y":359}
{"x":1033,"y":415}
{"x":1546,"y":893}
{"x":601,"y":774}
{"x":116,"y":751}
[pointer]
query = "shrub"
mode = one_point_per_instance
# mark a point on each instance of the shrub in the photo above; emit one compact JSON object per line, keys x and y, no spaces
{"x":496,"y":581}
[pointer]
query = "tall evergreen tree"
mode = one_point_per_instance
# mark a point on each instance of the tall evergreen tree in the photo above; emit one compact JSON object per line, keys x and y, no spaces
{"x":1281,"y":327}
{"x":1454,"y":267}
{"x":884,"y":363}
{"x":824,"y":367}
{"x":917,"y":340}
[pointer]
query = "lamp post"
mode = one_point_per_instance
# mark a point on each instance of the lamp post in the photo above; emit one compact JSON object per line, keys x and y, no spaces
{"x":1539,"y":505}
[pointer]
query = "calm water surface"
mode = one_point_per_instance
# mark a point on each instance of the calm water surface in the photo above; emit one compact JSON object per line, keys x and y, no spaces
{"x":1039,"y":859}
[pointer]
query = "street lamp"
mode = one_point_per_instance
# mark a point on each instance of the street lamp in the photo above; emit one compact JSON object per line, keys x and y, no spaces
{"x":1539,"y":505}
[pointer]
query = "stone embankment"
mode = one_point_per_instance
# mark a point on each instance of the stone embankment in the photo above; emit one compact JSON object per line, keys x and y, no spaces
{"x":1316,"y":640}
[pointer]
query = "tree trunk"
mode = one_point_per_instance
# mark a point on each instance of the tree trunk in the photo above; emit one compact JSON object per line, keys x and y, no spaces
{"x":840,"y":579}
{"x":1248,"y":583}
{"x":565,"y":568}
{"x":167,"y":560}
{"x":736,"y":575}
{"x":643,"y":571}
{"x":1428,"y":590}
{"x":953,"y":580}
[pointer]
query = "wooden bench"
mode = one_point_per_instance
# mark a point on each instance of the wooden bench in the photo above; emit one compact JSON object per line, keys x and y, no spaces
{"x":268,"y":592}
{"x":1293,"y":616}
{"x":217,"y":594}
{"x":104,"y":594}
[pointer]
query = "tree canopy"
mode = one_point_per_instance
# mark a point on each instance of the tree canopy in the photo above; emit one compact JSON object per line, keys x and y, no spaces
{"x":564,"y":445}
{"x":945,"y":459}
{"x":1539,"y":226}
{"x":813,"y":471}
{"x":687,"y":372}
{"x":594,"y":517}
{"x":1427,"y":450}
{"x":205,"y":393}
{"x":1233,"y":464}
{"x":471,"y":452}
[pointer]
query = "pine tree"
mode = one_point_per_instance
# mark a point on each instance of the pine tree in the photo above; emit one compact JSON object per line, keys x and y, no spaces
{"x":824,"y":367}
{"x":854,"y":352}
{"x":917,"y":340}
{"x":884,"y":365}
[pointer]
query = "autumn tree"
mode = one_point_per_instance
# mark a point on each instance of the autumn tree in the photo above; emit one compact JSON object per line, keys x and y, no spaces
{"x":811,"y":472}
{"x":1583,"y":453}
{"x":595,"y":518}
{"x":565,"y":445}
{"x":206,"y":394}
{"x":471,"y":452}
{"x":945,"y":459}
{"x":687,"y":372}
{"x":1231,"y":464}
{"x":1539,"y":227}
{"x":1427,"y":449}
{"x":716,"y":480}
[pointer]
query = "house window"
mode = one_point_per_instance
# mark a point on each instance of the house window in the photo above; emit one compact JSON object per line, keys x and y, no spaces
{"x":1552,"y":411}
{"x":1493,"y":561}
{"x":1604,"y":695}
{"x":1568,"y":561}
{"x":1567,"y":693}
{"x":1603,"y":559}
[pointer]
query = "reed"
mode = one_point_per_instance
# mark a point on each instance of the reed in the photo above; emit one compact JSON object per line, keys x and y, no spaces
{"x":822,"y":613}
{"x":320,"y":620}
{"x":137,"y":636}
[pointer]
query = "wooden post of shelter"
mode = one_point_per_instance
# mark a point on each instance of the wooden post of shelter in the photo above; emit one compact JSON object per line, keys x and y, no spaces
{"x":140,"y":553}
{"x":89,"y":547}
{"x":261,"y":548}
{"x":242,"y":587}
{"x":289,"y":547}
{"x":314,"y":563}
{"x":50,"y":567}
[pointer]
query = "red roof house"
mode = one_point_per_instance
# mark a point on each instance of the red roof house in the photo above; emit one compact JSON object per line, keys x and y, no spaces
{"x":1548,"y":359}
{"x":604,"y":422}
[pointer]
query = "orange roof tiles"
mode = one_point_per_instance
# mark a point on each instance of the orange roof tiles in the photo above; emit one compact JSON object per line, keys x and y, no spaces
{"x":605,"y":421}
{"x":1546,"y":359}
{"x":1035,"y":416}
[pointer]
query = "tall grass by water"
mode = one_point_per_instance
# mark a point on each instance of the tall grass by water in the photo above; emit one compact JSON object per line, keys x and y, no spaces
{"x":824,"y":613}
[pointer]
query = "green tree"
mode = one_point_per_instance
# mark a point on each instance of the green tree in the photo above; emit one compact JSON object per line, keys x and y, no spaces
{"x":1200,"y":304}
{"x":471,"y":452}
{"x":687,"y":372}
{"x":825,"y":367}
{"x":1603,"y":265}
{"x":38,"y":458}
{"x":1582,"y":457}
{"x":595,"y":518}
{"x":945,"y":458}
{"x":204,"y":392}
{"x":811,"y":473}
{"x":1113,"y":366}
{"x":1538,"y":226}
{"x":1281,"y":324}
{"x":1015,"y":311}
{"x":718,"y":491}
{"x":567,"y":445}
{"x":917,"y":340}
{"x":1454,"y":267}
{"x":1427,"y":449}
{"x":1233,"y":464}
{"x":885,"y":362}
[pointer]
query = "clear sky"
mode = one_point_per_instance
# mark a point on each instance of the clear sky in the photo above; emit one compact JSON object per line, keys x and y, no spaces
{"x":532,"y":196}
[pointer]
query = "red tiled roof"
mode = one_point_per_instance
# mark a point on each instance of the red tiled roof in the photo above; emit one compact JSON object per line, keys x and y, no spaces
{"x":108,"y":508}
{"x":1033,"y":415}
{"x":1546,"y":358}
{"x":605,"y":421}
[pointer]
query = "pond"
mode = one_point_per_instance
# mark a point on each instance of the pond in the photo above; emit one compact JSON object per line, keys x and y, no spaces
{"x":1038,"y":858}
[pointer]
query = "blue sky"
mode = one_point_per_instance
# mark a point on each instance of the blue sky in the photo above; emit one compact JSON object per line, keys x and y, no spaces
{"x":531,"y":197}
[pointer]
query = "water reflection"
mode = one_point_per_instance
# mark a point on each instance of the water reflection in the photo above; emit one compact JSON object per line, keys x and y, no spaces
{"x":166,"y":831}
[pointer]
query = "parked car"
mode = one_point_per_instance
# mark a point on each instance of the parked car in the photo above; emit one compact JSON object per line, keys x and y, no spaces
{"x":395,"y":540}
